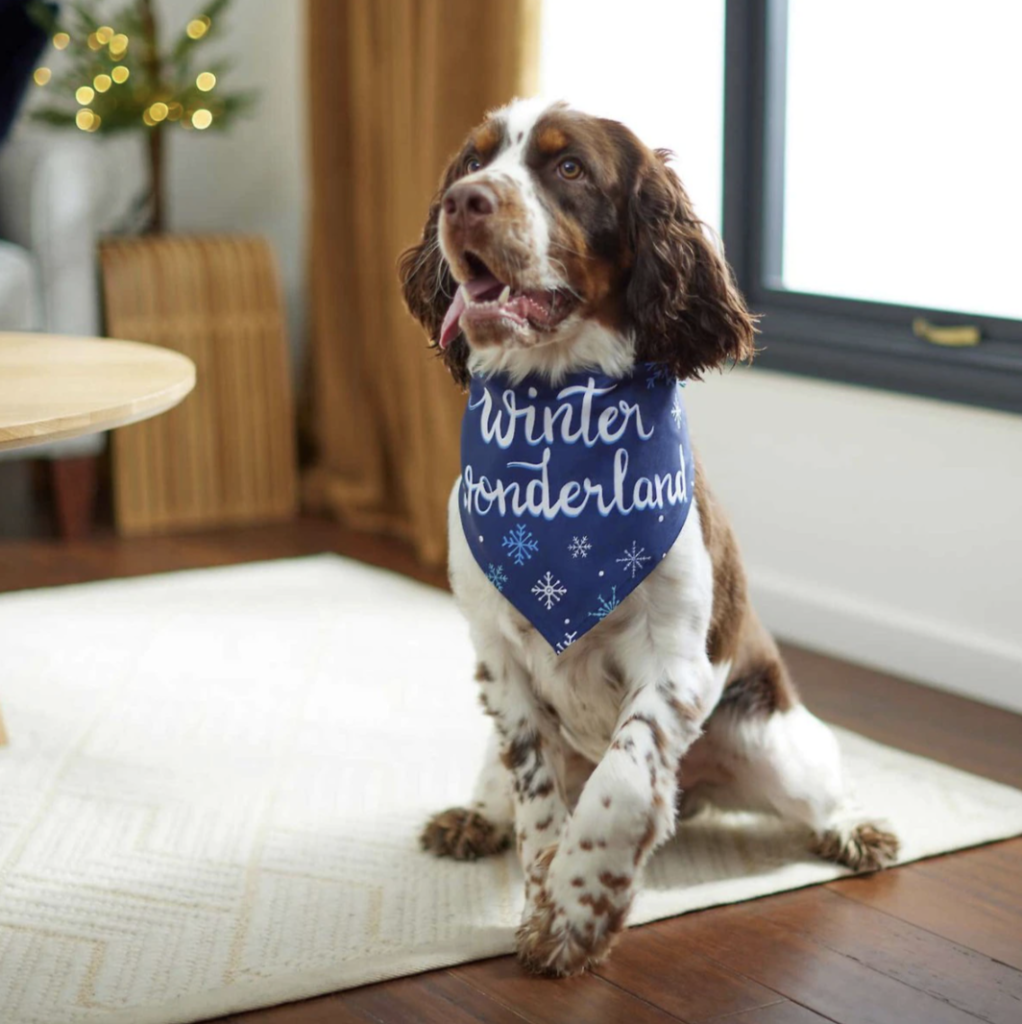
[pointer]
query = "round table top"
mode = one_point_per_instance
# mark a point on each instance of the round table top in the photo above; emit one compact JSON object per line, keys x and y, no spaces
{"x":54,"y":386}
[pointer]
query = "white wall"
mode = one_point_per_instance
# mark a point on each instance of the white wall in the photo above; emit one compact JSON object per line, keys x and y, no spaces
{"x":879,"y":527}
{"x":253,"y":177}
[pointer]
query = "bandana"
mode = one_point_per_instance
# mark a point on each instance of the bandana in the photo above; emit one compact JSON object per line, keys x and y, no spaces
{"x":571,"y":495}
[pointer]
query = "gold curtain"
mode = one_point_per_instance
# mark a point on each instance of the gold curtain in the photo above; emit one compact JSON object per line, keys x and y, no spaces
{"x":395,"y":85}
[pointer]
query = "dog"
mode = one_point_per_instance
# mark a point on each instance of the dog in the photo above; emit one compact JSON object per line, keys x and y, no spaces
{"x":559,"y":245}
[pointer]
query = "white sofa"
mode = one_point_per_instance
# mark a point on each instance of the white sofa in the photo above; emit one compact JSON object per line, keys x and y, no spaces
{"x":59,"y":191}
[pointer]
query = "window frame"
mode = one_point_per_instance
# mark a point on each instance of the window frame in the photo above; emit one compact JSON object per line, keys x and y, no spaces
{"x":848,"y":340}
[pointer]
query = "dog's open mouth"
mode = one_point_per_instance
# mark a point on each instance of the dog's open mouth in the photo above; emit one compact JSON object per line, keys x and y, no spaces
{"x":484,"y":297}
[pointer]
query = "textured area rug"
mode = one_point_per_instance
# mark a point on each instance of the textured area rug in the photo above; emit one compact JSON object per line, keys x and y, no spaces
{"x":216,"y":779}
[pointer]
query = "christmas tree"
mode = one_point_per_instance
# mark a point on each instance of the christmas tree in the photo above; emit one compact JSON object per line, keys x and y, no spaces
{"x":117,"y":77}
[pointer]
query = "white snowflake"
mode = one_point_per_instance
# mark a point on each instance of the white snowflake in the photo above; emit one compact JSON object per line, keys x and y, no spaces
{"x":606,"y":605}
{"x":634,"y":559}
{"x":496,"y":575}
{"x":569,"y":639}
{"x":579,"y":547}
{"x":548,"y":590}
{"x":676,"y":410}
{"x":521,"y":544}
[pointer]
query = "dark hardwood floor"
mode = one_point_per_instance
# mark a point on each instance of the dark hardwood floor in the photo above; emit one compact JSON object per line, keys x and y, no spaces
{"x":933,"y":942}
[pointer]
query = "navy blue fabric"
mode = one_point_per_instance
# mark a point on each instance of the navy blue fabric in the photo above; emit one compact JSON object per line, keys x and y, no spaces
{"x":21,"y":42}
{"x":570,"y":496}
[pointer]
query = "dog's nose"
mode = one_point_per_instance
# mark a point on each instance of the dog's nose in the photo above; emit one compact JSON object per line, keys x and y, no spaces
{"x":469,"y":202}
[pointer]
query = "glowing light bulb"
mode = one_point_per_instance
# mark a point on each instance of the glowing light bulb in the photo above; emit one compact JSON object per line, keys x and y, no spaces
{"x":118,"y":44}
{"x":120,"y":75}
{"x":206,"y":81}
{"x":202,"y":118}
{"x":147,"y":117}
{"x":197,"y":27}
{"x":104,"y":34}
{"x":93,"y":41}
{"x":102,"y":82}
{"x":60,"y":40}
{"x":84,"y":94}
{"x":158,"y":111}
{"x":84,"y":119}
{"x":42,"y":75}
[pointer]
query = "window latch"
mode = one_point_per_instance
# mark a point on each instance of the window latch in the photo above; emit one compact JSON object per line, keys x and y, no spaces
{"x":961,"y":336}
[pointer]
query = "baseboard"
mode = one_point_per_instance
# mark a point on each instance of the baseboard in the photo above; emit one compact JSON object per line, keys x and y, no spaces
{"x":926,"y":651}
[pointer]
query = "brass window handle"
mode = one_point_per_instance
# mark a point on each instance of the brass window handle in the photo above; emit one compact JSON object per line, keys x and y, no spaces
{"x":962,"y":336}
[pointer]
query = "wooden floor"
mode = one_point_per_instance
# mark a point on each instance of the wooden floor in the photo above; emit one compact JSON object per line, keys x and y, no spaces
{"x":934,"y":942}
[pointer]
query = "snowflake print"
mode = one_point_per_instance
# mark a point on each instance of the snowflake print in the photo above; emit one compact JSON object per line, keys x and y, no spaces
{"x":579,"y":547}
{"x":676,"y":410}
{"x":659,"y":374}
{"x":521,"y":544}
{"x":569,"y":639}
{"x":606,"y":605}
{"x":548,"y":590}
{"x":634,"y":559}
{"x":496,"y":575}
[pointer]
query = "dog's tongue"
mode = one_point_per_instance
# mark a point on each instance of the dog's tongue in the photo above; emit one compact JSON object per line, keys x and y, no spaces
{"x":476,"y":288}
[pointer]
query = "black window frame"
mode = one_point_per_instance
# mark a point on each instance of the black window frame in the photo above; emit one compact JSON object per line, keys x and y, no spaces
{"x":847,"y":340}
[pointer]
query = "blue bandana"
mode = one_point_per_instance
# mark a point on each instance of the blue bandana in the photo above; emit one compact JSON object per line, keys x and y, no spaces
{"x":571,"y":495}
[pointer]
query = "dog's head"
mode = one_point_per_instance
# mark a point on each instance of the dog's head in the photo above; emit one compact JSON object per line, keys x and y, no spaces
{"x":558,"y":241}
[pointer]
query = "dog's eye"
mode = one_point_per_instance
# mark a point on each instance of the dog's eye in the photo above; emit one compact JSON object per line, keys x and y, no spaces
{"x":570,"y":169}
{"x":473,"y":164}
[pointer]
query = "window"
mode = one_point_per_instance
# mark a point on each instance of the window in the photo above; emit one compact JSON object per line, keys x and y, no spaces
{"x":873,"y":210}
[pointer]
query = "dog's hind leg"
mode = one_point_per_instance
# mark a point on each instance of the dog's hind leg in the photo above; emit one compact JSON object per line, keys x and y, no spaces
{"x":484,"y":827}
{"x":788,"y":762}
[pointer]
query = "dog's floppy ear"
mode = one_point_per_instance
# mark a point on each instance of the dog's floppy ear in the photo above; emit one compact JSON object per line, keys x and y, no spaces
{"x":681,"y":298}
{"x":429,"y":288}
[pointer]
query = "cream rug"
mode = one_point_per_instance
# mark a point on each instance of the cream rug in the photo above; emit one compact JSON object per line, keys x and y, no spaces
{"x":215,"y":781}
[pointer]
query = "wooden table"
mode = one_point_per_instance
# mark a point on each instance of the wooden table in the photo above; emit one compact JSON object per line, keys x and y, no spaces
{"x":53,"y":387}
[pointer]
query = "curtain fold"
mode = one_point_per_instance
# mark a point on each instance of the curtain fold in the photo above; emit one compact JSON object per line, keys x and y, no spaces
{"x":394,"y":87}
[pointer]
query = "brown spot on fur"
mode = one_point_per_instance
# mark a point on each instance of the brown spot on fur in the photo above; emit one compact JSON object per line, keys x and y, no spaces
{"x":864,"y":848}
{"x":659,"y":740}
{"x":586,"y":844}
{"x":646,"y":840}
{"x":600,"y":905}
{"x":483,"y":674}
{"x":487,"y":138}
{"x":542,"y":826}
{"x":545,"y":788}
{"x":606,"y":801}
{"x":551,"y":140}
{"x":578,"y":882}
{"x":615,"y":882}
{"x":464,"y":835}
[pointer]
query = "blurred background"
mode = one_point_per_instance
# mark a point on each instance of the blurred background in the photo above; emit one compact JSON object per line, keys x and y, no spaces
{"x":237,"y":180}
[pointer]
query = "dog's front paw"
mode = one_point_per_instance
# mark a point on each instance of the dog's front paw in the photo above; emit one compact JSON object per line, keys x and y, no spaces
{"x":464,"y":835}
{"x":570,"y":927}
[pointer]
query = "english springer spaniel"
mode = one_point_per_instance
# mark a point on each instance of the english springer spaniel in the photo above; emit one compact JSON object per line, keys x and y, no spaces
{"x":563,"y":276}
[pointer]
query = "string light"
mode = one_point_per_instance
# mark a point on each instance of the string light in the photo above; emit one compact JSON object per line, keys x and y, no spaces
{"x":202,"y":118}
{"x":120,"y":75}
{"x":84,"y":94}
{"x":60,"y":40}
{"x":206,"y":81}
{"x":159,"y":111}
{"x":93,"y":41}
{"x":118,"y":45}
{"x":147,"y":118}
{"x":88,"y":120}
{"x":198,"y":27}
{"x":102,"y":82}
{"x":42,"y":75}
{"x":175,"y":112}
{"x":104,"y":34}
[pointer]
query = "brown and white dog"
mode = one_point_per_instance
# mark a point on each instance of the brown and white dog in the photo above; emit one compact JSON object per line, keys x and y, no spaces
{"x":558,"y":242}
